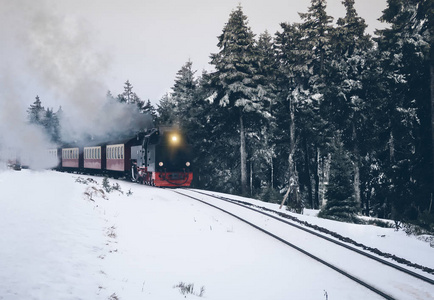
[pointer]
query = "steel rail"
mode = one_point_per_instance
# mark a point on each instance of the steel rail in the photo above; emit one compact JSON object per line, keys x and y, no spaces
{"x":337,"y":269}
{"x":378,"y":259}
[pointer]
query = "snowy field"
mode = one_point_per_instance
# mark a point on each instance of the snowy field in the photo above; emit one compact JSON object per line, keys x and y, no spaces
{"x":63,"y":237}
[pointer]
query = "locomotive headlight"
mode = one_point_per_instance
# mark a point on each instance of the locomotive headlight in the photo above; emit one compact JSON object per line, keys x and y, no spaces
{"x":187,"y":164}
{"x":174,"y":139}
{"x":160,"y":163}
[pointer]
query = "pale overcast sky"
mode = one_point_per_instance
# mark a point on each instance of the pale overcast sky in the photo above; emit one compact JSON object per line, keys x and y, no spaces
{"x":54,"y":48}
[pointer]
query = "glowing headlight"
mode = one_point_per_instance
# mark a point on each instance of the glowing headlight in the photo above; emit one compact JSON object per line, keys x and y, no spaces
{"x":187,"y":164}
{"x":160,"y":163}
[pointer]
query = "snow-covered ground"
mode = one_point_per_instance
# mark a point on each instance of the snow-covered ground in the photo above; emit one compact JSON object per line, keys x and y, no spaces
{"x":62,"y":237}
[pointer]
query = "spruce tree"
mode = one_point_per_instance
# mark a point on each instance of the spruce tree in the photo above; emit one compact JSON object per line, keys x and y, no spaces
{"x":128,"y":96}
{"x":148,"y":108}
{"x":340,"y":204}
{"x":51,"y":125}
{"x":165,"y":109}
{"x":234,"y":80}
{"x":36,"y":112}
{"x":405,"y":58}
{"x":184,"y":93}
{"x":346,"y":103}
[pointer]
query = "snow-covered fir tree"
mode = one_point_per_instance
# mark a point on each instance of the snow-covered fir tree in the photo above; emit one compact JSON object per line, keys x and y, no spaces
{"x":407,"y":119}
{"x":184,"y":93}
{"x":128,"y":96}
{"x":345,"y":102}
{"x":35,"y":113}
{"x":234,"y":80}
{"x":46,"y":118}
{"x":340,"y":199}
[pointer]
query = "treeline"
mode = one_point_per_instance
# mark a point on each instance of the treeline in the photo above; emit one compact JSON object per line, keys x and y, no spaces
{"x":53,"y":123}
{"x":321,"y":112}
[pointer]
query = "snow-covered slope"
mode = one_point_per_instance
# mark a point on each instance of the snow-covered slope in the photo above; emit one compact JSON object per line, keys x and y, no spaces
{"x":63,"y":237}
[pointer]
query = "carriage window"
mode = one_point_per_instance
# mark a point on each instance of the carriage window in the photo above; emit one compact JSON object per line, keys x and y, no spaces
{"x":122,"y":152}
{"x":99,"y":153}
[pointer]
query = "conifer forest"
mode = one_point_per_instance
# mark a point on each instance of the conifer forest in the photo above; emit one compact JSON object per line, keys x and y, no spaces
{"x":319,"y":114}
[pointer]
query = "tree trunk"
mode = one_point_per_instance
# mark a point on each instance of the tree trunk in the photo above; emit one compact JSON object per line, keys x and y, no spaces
{"x":251,"y":177}
{"x":272,"y":173}
{"x":293,"y":178}
{"x":316,"y":179}
{"x":307,"y":173}
{"x":243,"y":156}
{"x":432,"y":114}
{"x":356,"y":165}
{"x":430,"y":17}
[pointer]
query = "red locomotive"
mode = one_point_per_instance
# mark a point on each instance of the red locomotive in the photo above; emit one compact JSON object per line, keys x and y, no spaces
{"x":159,"y":157}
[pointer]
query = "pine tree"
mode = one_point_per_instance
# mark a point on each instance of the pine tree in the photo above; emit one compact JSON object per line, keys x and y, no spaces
{"x":184,"y":93}
{"x":165,"y":111}
{"x":51,"y":125}
{"x":405,"y":53}
{"x":234,"y":80}
{"x":128,"y":96}
{"x":36,"y":112}
{"x":148,"y":108}
{"x":304,"y":50}
{"x":340,"y":204}
{"x":262,"y":141}
{"x":346,"y":102}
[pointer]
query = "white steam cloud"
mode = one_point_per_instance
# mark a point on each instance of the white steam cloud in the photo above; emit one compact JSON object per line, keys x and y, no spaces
{"x":45,"y":49}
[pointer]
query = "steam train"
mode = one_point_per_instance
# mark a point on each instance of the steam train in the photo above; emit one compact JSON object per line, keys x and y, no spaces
{"x":157,"y":157}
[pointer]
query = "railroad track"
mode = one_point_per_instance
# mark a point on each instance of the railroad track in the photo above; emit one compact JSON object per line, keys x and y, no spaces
{"x":423,"y":284}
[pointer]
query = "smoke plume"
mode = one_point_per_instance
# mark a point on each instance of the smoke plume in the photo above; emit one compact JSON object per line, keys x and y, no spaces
{"x":49,"y":51}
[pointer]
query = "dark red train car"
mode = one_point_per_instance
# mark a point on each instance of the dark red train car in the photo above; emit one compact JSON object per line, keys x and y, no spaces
{"x":71,"y":157}
{"x":93,"y":157}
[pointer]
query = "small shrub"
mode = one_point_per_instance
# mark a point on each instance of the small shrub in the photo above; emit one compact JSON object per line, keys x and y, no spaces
{"x":106,"y":185}
{"x":109,"y":188}
{"x":186,"y":289}
{"x":116,"y":187}
{"x":113,"y":297}
{"x":81,"y":180}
